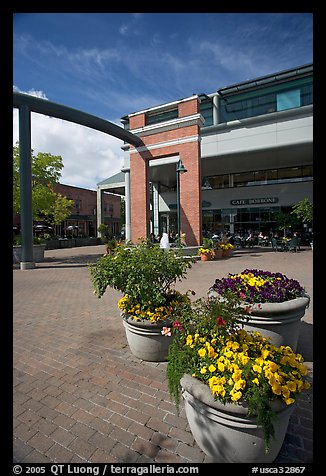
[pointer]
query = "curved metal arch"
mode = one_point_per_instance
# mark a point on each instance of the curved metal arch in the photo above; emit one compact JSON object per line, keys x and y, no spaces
{"x":43,"y":106}
{"x":27,"y":104}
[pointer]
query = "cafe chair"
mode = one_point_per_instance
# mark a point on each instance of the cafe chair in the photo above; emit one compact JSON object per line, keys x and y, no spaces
{"x":293,"y":244}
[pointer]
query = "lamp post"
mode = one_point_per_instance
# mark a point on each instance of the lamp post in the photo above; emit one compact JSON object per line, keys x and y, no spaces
{"x":180,"y":169}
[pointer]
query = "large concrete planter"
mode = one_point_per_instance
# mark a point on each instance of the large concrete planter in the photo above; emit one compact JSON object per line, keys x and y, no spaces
{"x":225,"y":432}
{"x":146,"y":341}
{"x":38,"y":253}
{"x":281,"y":322}
{"x":278,"y":321}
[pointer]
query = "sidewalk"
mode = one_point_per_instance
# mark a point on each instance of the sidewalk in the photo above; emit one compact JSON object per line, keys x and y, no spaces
{"x":81,"y":396}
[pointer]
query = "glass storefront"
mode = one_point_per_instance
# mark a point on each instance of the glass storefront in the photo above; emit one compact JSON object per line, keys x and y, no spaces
{"x":239,"y":220}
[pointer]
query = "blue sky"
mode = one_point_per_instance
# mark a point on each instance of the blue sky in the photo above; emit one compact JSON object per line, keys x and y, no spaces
{"x":112,"y":64}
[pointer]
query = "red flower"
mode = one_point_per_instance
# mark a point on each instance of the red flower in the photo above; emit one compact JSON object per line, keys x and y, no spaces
{"x":220,"y":321}
{"x":177,"y":325}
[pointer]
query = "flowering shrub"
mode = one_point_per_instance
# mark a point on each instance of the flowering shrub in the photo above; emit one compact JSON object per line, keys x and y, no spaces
{"x":257,"y":286}
{"x":239,"y":367}
{"x":145,"y":274}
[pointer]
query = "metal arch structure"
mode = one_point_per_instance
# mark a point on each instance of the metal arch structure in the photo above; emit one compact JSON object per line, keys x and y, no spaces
{"x":27,"y":104}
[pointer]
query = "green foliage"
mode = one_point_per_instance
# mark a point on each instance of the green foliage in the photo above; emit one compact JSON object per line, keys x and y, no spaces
{"x":37,"y":240}
{"x":257,"y":405}
{"x":208,"y":243}
{"x":61,"y":209}
{"x":104,"y":232}
{"x":285,"y":220}
{"x":303,"y":210}
{"x":145,"y":272}
{"x":46,"y":172}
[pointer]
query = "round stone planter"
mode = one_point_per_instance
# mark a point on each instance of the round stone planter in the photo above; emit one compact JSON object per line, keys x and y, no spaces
{"x":278,"y":321}
{"x":146,"y":341}
{"x":225,"y":432}
{"x":281,"y":322}
{"x":38,"y":253}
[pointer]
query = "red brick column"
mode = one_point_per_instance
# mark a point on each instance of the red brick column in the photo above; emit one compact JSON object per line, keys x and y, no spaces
{"x":181,"y":139}
{"x":139,"y":195}
{"x":190,"y":194}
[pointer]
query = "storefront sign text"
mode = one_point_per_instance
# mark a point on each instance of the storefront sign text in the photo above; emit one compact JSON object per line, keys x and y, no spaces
{"x":254,"y":201}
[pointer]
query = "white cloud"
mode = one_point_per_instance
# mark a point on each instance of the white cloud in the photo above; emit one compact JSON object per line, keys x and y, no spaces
{"x":33,"y":92}
{"x":89,"y":156}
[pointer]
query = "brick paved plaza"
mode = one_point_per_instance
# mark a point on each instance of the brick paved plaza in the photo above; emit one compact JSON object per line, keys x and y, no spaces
{"x":81,"y":396}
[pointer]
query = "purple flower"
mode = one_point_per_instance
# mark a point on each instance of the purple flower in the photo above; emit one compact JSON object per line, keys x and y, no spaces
{"x":276,"y":287}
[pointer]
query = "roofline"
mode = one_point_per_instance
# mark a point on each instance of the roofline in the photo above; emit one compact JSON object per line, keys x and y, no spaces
{"x":273,"y":77}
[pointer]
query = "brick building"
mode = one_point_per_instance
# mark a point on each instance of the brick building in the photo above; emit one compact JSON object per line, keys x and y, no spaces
{"x":247,"y":149}
{"x":84,"y":212}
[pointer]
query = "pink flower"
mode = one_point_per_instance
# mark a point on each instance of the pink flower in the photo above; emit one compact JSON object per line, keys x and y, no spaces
{"x":242,"y":295}
{"x":177,"y":325}
{"x":220,"y":321}
{"x":166,"y":331}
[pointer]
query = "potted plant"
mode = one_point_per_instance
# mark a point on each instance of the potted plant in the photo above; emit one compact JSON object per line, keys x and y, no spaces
{"x":145,"y":274}
{"x":275,"y":304}
{"x":238,"y":388}
{"x":205,"y":253}
{"x":226,"y":249}
{"x":217,"y":251}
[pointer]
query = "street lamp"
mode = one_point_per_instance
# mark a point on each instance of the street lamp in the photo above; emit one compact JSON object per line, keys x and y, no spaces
{"x":180,"y":169}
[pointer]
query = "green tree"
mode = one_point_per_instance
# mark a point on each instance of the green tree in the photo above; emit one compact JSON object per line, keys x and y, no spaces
{"x":46,"y":172}
{"x":284,"y":221}
{"x":61,"y":209}
{"x":303,"y":210}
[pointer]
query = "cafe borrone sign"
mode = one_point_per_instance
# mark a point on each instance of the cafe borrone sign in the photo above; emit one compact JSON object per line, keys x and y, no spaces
{"x":254,"y":201}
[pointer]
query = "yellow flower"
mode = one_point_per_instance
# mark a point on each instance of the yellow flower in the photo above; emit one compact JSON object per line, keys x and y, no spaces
{"x":289,"y":401}
{"x":236,"y":375}
{"x":189,"y":340}
{"x":291,"y":386}
{"x":212,"y":368}
{"x":221,"y":366}
{"x":257,"y":368}
{"x":240,"y":384}
{"x":211,"y":352}
{"x":276,"y":388}
{"x":235,"y":346}
{"x":203,"y":370}
{"x":235,"y":396}
{"x":202,"y":352}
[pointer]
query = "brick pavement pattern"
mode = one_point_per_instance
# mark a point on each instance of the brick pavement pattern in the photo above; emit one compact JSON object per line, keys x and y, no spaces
{"x":81,"y":396}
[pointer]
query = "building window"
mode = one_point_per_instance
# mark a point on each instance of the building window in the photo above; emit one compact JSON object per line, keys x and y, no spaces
{"x":259,"y":177}
{"x":206,"y":110}
{"x":288,"y":100}
{"x":166,"y":115}
{"x":256,"y":102}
